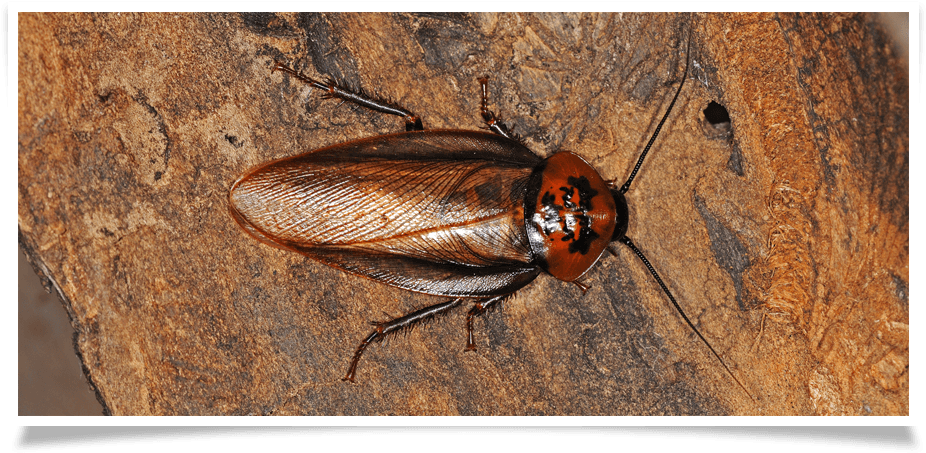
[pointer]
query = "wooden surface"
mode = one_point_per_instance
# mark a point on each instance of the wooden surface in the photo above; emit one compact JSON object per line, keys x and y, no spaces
{"x":784,"y":234}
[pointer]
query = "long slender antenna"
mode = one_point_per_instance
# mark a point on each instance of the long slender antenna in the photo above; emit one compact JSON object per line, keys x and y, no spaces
{"x":626,"y":240}
{"x":652,"y":139}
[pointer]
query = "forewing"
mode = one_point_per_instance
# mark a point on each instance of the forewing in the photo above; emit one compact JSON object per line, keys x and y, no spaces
{"x":440,"y":212}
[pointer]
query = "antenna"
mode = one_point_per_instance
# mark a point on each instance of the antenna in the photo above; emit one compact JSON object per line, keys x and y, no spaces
{"x":652,"y":139}
{"x":626,"y":240}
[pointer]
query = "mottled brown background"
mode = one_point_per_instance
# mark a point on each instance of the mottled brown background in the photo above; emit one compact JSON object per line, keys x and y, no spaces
{"x":784,"y":233}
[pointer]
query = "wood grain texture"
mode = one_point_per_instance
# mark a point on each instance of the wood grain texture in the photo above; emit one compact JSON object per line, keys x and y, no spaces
{"x":784,"y":234}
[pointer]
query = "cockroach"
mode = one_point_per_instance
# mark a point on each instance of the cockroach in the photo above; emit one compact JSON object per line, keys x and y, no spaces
{"x":455,"y":213}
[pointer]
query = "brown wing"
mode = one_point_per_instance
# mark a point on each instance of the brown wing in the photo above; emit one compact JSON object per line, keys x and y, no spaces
{"x":439,"y":212}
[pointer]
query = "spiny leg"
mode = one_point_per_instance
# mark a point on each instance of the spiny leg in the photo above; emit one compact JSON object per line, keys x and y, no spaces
{"x":332,"y":90}
{"x":391,"y":327}
{"x":477,"y":310}
{"x":495,"y":124}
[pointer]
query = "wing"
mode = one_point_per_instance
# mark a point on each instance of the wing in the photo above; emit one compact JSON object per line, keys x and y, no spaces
{"x":440,"y":212}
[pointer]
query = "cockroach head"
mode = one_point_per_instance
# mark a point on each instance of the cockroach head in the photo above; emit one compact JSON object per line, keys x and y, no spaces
{"x":620,"y":219}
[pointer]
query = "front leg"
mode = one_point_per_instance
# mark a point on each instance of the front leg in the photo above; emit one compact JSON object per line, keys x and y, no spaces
{"x":495,"y":124}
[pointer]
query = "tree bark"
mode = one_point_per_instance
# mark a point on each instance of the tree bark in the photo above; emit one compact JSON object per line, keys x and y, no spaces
{"x":783,"y":231}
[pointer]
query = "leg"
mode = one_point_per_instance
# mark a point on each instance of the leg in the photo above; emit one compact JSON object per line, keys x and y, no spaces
{"x":495,"y":124}
{"x":581,"y":286}
{"x":478,"y":309}
{"x":390,"y":327}
{"x":332,"y":90}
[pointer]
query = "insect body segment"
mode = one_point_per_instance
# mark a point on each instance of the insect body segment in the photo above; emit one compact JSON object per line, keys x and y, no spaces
{"x":573,"y":216}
